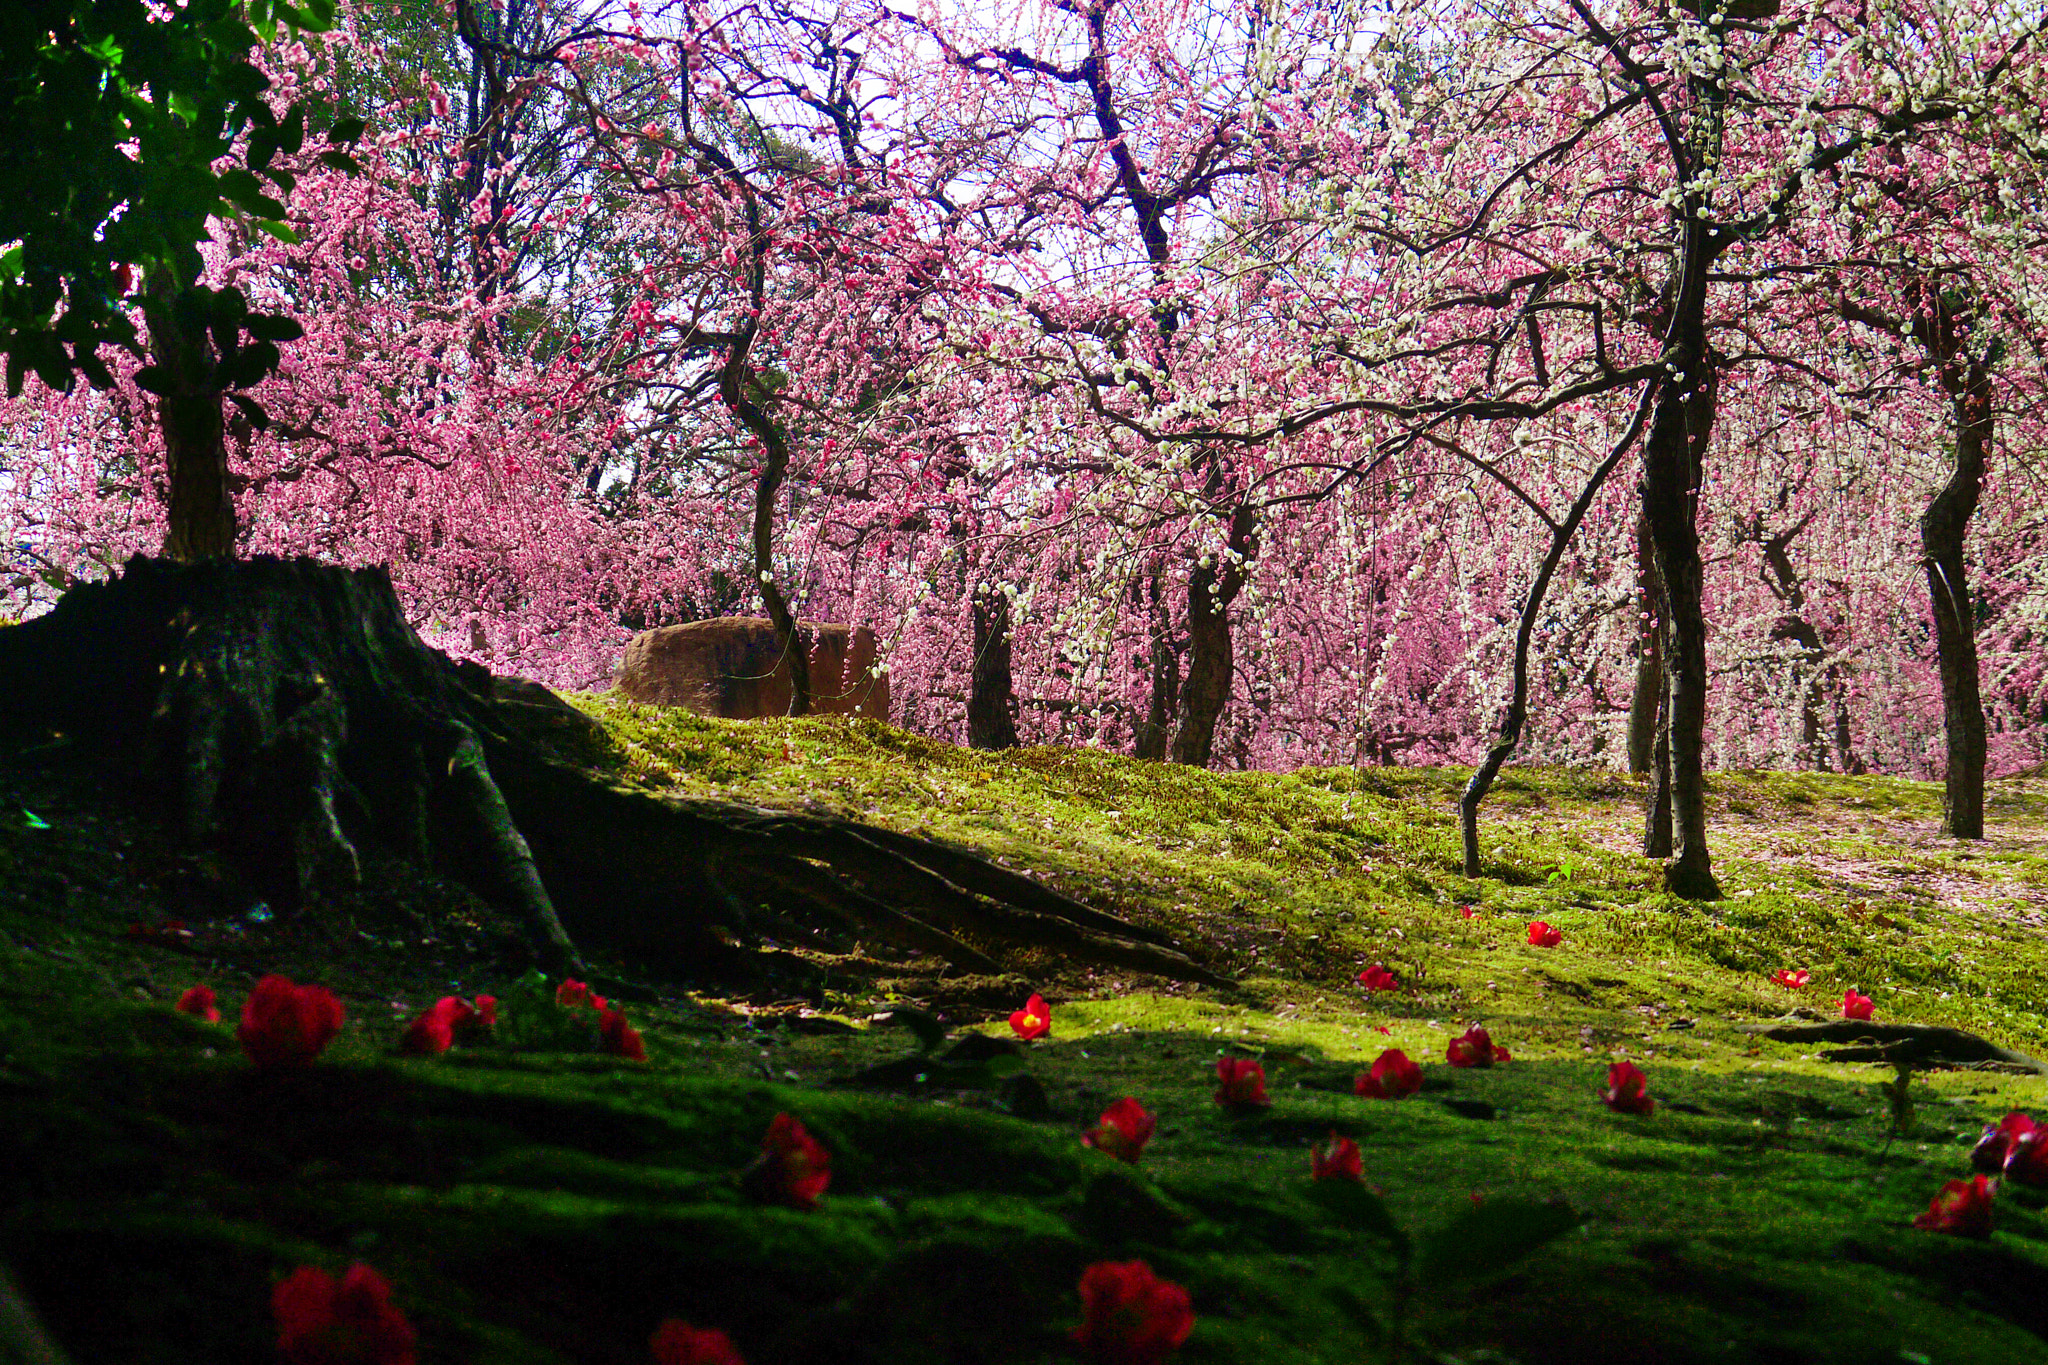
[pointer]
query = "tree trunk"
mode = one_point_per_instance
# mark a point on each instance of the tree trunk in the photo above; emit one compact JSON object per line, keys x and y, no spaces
{"x":289,"y":719}
{"x":1672,"y":455}
{"x":1516,"y":714}
{"x":201,"y":509}
{"x":1647,"y":703}
{"x":1212,"y":587}
{"x":991,"y":697}
{"x":735,"y":383}
{"x":1162,"y":659}
{"x":1943,"y":527}
{"x":1657,"y":809}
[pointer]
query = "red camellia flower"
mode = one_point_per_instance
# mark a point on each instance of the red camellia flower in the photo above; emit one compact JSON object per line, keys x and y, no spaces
{"x":1243,"y":1084}
{"x":1475,"y":1047}
{"x":2026,"y":1161}
{"x":1337,"y":1160}
{"x":1962,"y":1209}
{"x":320,"y":1322}
{"x":1856,"y":1006}
{"x":1122,"y":1131}
{"x":1791,"y":981}
{"x":1541,"y":935}
{"x":1393,"y":1076}
{"x":486,"y":1012}
{"x":792,"y":1169}
{"x":287,"y":1025}
{"x":200,"y":1001}
{"x":621,"y":1039}
{"x":677,"y":1343}
{"x":1467,"y":911}
{"x":1129,"y":1316}
{"x":1627,"y":1090}
{"x":1378,"y":978}
{"x":572,"y":992}
{"x":1034,"y":1020}
{"x":434,"y":1031}
{"x":1996,"y":1142}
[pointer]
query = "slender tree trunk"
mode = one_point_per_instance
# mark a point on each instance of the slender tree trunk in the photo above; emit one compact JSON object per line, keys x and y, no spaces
{"x":1163,"y":659}
{"x":1647,"y":703}
{"x":733,"y":384}
{"x":991,"y":698}
{"x":1679,"y":429}
{"x":1943,"y":527}
{"x":1657,"y":810}
{"x":1517,"y":712}
{"x":201,"y":511}
{"x":1212,"y":587}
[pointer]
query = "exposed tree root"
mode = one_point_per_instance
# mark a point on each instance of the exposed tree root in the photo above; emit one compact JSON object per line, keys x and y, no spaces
{"x":1919,"y":1045}
{"x":287,"y":715}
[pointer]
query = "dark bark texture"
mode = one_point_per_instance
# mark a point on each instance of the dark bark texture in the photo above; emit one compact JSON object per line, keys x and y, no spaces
{"x":1212,"y":587}
{"x":200,"y":510}
{"x":285,"y":715}
{"x":991,"y":694}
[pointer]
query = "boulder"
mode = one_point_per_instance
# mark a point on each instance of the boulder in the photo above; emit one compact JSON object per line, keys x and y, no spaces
{"x":728,"y":667}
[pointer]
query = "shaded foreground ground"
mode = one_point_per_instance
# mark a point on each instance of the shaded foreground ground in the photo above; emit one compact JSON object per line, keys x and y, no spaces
{"x":535,"y":1205}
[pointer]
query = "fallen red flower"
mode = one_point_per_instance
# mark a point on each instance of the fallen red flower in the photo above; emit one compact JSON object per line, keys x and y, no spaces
{"x":486,"y":1012}
{"x":620,"y":1038}
{"x":1792,"y":981}
{"x":1034,"y":1020}
{"x":1467,"y":911}
{"x":320,"y":1322}
{"x":1995,"y":1144}
{"x":1129,"y":1316}
{"x":1475,"y":1047}
{"x":677,"y":1343}
{"x":1627,"y":1090}
{"x":572,"y":992}
{"x":1541,"y":935}
{"x":1338,"y":1160}
{"x":2026,"y":1161}
{"x":1962,"y":1209}
{"x":1393,"y":1076}
{"x":1378,"y":978}
{"x":433,"y":1032}
{"x":287,"y":1025}
{"x":1856,"y":1006}
{"x":200,"y":1001}
{"x":793,"y":1169}
{"x":1122,"y":1131}
{"x":1243,"y":1084}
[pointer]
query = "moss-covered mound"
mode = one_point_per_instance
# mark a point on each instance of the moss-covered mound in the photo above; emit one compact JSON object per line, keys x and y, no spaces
{"x":530,"y":1198}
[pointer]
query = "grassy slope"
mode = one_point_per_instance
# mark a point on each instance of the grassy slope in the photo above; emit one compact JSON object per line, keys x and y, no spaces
{"x":553,"y":1207}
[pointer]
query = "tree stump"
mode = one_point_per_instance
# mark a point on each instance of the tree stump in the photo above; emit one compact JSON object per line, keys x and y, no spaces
{"x":284,"y":713}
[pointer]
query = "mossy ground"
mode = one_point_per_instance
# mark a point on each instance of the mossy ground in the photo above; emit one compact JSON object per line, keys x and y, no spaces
{"x":535,"y":1206}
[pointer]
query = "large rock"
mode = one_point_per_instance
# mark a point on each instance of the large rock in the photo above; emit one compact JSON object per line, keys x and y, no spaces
{"x":728,"y":667}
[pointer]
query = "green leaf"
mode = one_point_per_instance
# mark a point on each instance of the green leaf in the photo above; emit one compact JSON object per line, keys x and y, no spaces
{"x":252,"y":410}
{"x":271,"y":327}
{"x":150,"y":379}
{"x":341,"y":161}
{"x":292,"y":134}
{"x":242,"y":189}
{"x":1355,"y":1206}
{"x":345,"y":131}
{"x":1486,"y":1240}
{"x":17,"y":372}
{"x":280,"y":231}
{"x":930,"y":1032}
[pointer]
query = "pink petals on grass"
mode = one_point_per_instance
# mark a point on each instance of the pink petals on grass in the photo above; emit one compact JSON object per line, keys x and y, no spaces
{"x":1627,"y":1090}
{"x":1378,"y":978}
{"x":1339,"y":1159}
{"x":287,"y":1025}
{"x":1034,"y":1020}
{"x":793,"y":1168}
{"x":1792,"y":981}
{"x":1475,"y":1047}
{"x":1392,"y":1077}
{"x":1856,"y":1006}
{"x":1543,"y":935}
{"x":1129,"y":1316}
{"x":1122,"y":1131}
{"x":199,"y":1003}
{"x":1243,"y":1084}
{"x":1962,"y":1209}
{"x":322,"y":1321}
